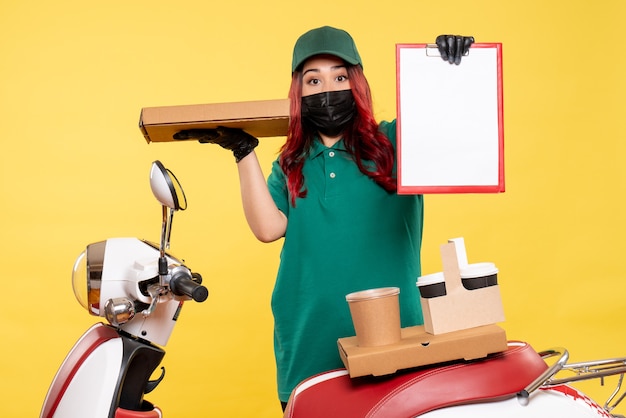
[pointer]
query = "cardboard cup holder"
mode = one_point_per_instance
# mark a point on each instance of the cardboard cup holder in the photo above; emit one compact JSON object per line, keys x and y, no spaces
{"x":472,"y":293}
{"x":376,"y":316}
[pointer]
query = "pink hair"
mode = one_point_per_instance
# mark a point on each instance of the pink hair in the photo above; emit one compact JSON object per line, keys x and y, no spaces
{"x":362,"y":138}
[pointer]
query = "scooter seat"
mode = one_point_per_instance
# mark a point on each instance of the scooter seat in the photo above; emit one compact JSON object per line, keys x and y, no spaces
{"x":417,"y":391}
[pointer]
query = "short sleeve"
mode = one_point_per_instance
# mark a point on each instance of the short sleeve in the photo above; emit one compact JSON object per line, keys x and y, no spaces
{"x":389,"y":130}
{"x":277,"y":185}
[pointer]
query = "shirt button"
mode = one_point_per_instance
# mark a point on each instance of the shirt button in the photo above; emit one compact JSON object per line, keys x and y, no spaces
{"x":332,"y":175}
{"x":331,"y":154}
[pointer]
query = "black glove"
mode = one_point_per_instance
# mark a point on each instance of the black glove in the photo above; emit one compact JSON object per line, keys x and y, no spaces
{"x":237,"y":140}
{"x":453,"y":47}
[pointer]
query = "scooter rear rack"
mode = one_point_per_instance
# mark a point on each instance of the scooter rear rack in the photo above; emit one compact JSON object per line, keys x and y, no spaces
{"x":587,"y":370}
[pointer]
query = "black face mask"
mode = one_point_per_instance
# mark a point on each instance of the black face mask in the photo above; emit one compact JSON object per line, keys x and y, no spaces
{"x":329,"y":112}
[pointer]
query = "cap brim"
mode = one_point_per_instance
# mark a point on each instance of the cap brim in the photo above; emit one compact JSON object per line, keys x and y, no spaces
{"x":349,"y":60}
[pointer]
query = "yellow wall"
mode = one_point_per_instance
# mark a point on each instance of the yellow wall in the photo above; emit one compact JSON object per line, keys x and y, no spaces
{"x":74,"y":169}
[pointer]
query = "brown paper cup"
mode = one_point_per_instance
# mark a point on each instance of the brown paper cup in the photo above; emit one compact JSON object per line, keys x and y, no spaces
{"x":376,"y":316}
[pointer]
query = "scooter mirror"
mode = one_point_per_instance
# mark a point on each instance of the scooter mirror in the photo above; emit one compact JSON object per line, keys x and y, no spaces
{"x":166,"y":188}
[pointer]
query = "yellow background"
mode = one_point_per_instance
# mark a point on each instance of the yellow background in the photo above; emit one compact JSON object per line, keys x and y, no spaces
{"x":74,"y":170}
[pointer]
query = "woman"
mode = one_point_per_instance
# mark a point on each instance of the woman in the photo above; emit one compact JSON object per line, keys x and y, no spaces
{"x":332,"y":196}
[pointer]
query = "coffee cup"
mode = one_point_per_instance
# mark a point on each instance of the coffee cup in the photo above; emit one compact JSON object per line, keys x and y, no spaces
{"x":432,"y":285}
{"x":479,"y":275}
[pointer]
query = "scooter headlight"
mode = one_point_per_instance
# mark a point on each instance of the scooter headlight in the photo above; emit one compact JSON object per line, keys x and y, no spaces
{"x":87,"y":277}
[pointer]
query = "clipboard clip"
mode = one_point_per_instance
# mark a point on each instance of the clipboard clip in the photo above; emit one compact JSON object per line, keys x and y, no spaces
{"x":433,"y":51}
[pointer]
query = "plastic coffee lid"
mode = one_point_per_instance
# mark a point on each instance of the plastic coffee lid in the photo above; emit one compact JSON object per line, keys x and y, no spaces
{"x":431,"y":279}
{"x":478,"y":270}
{"x":372,"y":294}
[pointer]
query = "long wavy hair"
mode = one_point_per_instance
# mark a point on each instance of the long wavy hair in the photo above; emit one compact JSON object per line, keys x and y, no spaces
{"x":372,"y":151}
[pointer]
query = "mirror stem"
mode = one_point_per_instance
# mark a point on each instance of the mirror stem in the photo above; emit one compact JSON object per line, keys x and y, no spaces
{"x":169,"y":229}
{"x":163,"y":232}
{"x":162,"y":259}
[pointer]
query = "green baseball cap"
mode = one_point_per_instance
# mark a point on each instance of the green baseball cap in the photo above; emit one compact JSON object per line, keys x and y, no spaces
{"x":325,"y":40}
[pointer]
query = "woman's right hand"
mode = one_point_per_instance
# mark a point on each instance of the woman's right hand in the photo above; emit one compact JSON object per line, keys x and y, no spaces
{"x":237,"y":140}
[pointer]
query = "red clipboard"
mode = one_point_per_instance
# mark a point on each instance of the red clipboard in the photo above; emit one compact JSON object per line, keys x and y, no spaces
{"x":449,"y":120}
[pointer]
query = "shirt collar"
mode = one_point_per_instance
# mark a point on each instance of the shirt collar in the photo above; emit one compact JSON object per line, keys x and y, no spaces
{"x":318,"y":147}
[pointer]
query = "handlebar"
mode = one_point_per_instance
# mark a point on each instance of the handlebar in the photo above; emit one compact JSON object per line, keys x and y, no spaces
{"x":184,"y":283}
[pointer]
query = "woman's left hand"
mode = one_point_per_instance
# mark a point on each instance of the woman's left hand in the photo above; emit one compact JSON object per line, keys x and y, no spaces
{"x":453,"y":47}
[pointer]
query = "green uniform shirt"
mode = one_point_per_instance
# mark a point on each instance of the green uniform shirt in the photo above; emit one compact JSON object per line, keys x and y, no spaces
{"x":347,"y":234}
